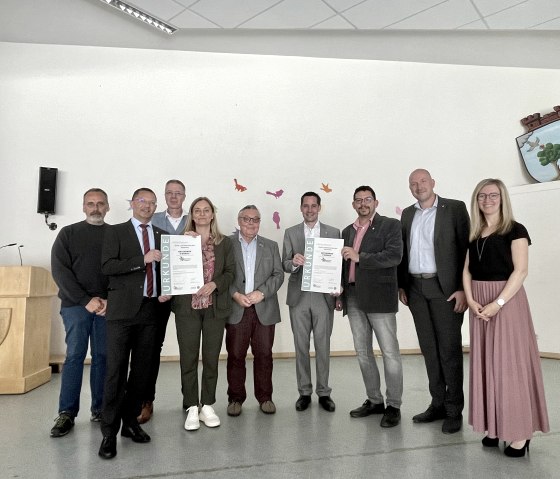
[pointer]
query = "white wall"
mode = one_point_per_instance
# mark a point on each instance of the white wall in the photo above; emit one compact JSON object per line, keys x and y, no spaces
{"x":121,"y":118}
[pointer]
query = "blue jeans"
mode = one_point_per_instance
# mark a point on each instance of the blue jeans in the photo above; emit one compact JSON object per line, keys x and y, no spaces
{"x":82,"y":328}
{"x":385,"y":327}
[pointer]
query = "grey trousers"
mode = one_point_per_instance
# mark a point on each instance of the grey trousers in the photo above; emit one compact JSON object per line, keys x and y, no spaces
{"x":312,"y":314}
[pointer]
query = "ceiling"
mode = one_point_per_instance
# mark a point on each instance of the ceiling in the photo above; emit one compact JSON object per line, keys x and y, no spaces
{"x":355,"y":14}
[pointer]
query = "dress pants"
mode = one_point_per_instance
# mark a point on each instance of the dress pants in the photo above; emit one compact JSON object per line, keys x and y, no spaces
{"x":312,"y":314}
{"x":249,"y":331}
{"x":384,"y":325}
{"x":439,"y":334}
{"x":191,"y":324}
{"x":164,"y":311}
{"x":134,"y":338}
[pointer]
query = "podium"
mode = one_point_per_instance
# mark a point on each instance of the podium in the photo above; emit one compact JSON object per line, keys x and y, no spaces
{"x":25,"y":327}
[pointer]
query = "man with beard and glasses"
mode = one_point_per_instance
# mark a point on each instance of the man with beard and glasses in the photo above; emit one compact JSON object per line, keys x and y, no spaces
{"x":82,"y":289}
{"x":372,"y":251}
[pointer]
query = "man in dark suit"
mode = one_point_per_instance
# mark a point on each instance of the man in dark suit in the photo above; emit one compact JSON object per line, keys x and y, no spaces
{"x":309,"y":311}
{"x":130,"y":258}
{"x":372,"y":251}
{"x":255,"y":312}
{"x":173,"y":221}
{"x":435,"y":233}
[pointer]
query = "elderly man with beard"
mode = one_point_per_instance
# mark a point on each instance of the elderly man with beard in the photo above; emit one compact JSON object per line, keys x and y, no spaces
{"x":82,"y":289}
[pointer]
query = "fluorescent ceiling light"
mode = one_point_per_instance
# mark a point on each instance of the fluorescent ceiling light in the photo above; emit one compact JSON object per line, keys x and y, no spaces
{"x":141,"y":15}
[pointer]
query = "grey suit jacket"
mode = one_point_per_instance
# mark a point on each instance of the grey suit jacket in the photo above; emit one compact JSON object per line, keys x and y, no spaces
{"x":451,"y":240}
{"x":122,"y":261}
{"x":160,"y":220}
{"x":376,"y":272}
{"x":269,"y":276}
{"x":294,"y":242}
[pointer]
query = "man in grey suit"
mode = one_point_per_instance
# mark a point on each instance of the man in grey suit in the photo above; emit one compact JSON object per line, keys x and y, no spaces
{"x":173,"y":221}
{"x":255,"y":312}
{"x":372,"y":251}
{"x":435,"y":233}
{"x":309,"y":312}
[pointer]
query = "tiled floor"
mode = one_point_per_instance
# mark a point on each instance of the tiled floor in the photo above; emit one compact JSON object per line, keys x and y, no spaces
{"x":289,"y":444}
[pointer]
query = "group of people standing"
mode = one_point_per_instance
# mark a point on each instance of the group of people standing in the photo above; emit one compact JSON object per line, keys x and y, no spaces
{"x":427,"y":260}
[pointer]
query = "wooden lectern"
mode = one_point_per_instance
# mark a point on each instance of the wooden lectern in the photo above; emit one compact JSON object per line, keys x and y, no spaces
{"x":25,"y":327}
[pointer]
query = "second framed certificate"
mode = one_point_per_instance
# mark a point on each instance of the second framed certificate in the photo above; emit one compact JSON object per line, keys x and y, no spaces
{"x":323,"y":265}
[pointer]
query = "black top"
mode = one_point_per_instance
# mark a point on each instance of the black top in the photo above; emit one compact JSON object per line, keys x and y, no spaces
{"x":490,"y":257}
{"x":76,"y":263}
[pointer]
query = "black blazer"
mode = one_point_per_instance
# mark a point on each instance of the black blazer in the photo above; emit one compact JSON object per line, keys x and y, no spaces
{"x":451,"y":240}
{"x":376,"y":272}
{"x":122,"y":261}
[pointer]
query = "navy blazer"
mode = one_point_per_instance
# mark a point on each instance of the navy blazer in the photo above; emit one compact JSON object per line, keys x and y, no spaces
{"x":376,"y":272}
{"x":122,"y":261}
{"x":451,"y":240}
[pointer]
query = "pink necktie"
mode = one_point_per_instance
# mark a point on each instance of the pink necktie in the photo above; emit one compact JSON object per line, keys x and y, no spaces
{"x":149,"y":270}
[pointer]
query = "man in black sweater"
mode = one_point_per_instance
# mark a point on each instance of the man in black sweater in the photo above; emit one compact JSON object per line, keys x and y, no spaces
{"x":76,"y":269}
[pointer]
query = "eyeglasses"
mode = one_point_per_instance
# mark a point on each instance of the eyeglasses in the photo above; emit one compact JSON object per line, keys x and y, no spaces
{"x":366,"y":201}
{"x":142,"y":201}
{"x":247,"y":220}
{"x":491,"y":196}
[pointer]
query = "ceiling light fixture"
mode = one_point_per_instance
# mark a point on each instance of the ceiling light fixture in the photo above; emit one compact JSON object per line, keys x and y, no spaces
{"x":141,"y":15}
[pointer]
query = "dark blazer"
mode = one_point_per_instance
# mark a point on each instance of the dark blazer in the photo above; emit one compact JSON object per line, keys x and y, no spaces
{"x":224,"y":273}
{"x":376,"y":272}
{"x":451,"y":240}
{"x":269,"y":276}
{"x":122,"y":261}
{"x":294,"y":242}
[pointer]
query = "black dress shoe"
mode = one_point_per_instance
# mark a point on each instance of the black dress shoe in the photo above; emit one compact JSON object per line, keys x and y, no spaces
{"x":108,"y":449}
{"x":430,"y":415}
{"x":368,"y":408}
{"x":391,"y":418}
{"x":303,"y":403}
{"x":452,"y":424}
{"x":490,"y":441}
{"x":135,"y":432}
{"x":327,"y":403}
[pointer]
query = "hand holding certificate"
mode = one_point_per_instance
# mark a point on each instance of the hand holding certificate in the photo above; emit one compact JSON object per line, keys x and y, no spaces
{"x":322,"y":269}
{"x":181,"y":264}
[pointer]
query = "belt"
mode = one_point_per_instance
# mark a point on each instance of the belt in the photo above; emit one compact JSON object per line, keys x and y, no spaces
{"x":147,"y":299}
{"x":424,"y":275}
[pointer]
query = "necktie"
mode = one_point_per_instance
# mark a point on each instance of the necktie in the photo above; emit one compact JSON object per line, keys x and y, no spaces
{"x":149,"y":269}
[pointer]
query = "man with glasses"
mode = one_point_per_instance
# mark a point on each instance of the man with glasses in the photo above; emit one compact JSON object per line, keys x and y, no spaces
{"x":173,"y":221}
{"x":309,"y":312}
{"x":130,"y":258}
{"x":435,"y":232}
{"x":256,"y":311}
{"x":372,"y":251}
{"x":82,"y":289}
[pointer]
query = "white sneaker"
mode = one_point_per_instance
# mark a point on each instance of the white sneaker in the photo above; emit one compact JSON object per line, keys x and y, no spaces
{"x":209,"y":417}
{"x":192,"y":423}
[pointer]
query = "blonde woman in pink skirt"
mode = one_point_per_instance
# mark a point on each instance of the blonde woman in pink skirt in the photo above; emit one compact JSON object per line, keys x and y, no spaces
{"x":506,"y":397}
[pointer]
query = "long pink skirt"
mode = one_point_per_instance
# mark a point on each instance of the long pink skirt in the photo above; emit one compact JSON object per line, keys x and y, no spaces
{"x":506,"y":397}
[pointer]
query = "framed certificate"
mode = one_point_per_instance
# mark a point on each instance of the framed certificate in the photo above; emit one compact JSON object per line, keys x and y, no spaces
{"x":322,"y":269}
{"x":181,"y":264}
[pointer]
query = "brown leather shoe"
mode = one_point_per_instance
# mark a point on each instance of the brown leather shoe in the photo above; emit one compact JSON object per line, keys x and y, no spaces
{"x":146,"y":413}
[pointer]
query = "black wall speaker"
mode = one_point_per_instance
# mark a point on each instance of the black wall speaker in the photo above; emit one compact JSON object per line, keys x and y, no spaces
{"x":47,"y":190}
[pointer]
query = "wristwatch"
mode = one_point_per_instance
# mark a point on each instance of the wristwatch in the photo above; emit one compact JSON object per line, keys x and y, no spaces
{"x":500,"y":302}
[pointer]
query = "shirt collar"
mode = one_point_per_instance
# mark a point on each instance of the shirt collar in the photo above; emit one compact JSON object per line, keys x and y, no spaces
{"x":418,"y":207}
